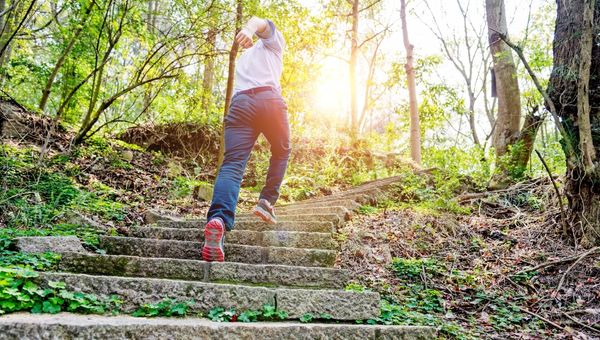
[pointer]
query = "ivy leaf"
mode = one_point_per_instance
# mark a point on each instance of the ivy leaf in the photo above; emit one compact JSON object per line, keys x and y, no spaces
{"x":49,"y":307}
{"x":30,"y":287}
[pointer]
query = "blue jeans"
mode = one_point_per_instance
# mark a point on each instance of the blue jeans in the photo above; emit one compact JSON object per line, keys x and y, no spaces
{"x":251,"y":114}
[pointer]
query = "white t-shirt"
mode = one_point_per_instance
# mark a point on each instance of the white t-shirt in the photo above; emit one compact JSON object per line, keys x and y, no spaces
{"x":261,"y":64}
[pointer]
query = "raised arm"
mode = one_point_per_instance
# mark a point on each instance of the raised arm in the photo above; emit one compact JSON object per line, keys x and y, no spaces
{"x":257,"y":26}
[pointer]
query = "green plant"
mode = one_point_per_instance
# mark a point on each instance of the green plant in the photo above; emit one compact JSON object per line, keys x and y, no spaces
{"x":166,"y":307}
{"x":19,"y":291}
{"x":412,"y":269}
{"x":366,"y":210}
{"x":266,"y":313}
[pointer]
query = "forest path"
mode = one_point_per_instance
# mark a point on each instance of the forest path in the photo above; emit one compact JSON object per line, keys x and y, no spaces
{"x":288,"y":265}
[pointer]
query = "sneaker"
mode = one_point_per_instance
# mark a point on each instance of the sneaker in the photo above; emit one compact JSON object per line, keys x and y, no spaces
{"x":214,"y":238}
{"x":265,"y":211}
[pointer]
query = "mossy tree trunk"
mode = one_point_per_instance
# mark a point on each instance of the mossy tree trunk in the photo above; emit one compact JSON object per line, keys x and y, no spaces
{"x":574,"y":88}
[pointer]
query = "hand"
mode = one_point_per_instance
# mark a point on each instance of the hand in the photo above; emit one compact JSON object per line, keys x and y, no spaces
{"x":244,"y":38}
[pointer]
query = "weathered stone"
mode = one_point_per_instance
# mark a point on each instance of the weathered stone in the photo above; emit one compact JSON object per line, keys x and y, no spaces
{"x":334,"y":218}
{"x":346,"y":203}
{"x":319,"y":226}
{"x":138,"y":291}
{"x":316,"y":277}
{"x":233,"y":252}
{"x":41,"y":244}
{"x":119,"y":265}
{"x":152,"y":216}
{"x":203,"y":192}
{"x":328,"y":209}
{"x":340,"y":305}
{"x":245,"y":237}
{"x":77,"y":218}
{"x":73,"y":326}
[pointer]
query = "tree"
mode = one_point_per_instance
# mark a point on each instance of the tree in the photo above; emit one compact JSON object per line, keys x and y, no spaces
{"x":573,"y":92}
{"x":508,"y":136}
{"x":13,"y":24}
{"x":415,"y":130}
{"x":352,"y":69}
{"x":509,"y":100}
{"x":468,"y":53}
{"x":63,"y":57}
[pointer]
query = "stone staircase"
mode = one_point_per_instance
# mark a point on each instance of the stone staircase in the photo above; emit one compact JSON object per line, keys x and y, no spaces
{"x":289,"y":265}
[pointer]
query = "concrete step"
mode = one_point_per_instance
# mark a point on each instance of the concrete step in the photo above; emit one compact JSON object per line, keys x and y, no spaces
{"x":293,"y":209}
{"x":283,"y":217}
{"x":306,"y":226}
{"x":346,"y":203}
{"x":260,"y":274}
{"x":341,"y":305}
{"x":294,"y":239}
{"x":233,"y":253}
{"x":73,"y":326}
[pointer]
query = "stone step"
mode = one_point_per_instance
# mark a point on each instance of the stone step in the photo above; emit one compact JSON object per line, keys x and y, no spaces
{"x":233,"y":253}
{"x":334,"y":218}
{"x":311,"y":227}
{"x":293,"y":239}
{"x":74,"y":326}
{"x":293,"y":209}
{"x":261,"y":274}
{"x":341,"y":305}
{"x":346,"y":203}
{"x":248,"y":217}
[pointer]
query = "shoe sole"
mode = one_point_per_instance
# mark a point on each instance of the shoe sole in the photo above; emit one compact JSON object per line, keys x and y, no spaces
{"x":264,"y":215}
{"x":212,"y":251}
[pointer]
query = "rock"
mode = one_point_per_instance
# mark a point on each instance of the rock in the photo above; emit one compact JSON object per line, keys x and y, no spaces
{"x":57,"y":244}
{"x":152,"y":216}
{"x":73,"y":217}
{"x":203,"y":192}
{"x":127,"y":155}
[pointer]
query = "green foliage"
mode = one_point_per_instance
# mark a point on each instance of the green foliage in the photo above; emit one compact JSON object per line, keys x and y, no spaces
{"x":400,"y":314}
{"x":367,"y":210}
{"x":19,"y":291}
{"x":355,"y":287}
{"x":412,"y":269}
{"x":267,"y":313}
{"x":166,"y":307}
{"x":43,"y":261}
{"x":34,"y":196}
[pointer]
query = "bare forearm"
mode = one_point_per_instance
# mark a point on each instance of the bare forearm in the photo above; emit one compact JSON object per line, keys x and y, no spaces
{"x":255,"y":25}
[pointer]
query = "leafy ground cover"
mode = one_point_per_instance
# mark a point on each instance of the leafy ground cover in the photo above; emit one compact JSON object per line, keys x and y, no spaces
{"x":498,"y":271}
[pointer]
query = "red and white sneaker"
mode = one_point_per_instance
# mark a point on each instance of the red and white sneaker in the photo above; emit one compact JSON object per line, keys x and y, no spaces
{"x":265,"y":211}
{"x":214,"y":239}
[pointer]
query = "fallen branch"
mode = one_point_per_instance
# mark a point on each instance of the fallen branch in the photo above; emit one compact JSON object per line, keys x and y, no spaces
{"x":590,"y":328}
{"x":552,"y":323}
{"x":592,"y":251}
{"x":579,"y":259}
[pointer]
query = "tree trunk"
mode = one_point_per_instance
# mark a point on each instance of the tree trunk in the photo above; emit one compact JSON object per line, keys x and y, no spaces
{"x":415,"y":129}
{"x":232,"y":55}
{"x":209,"y":71}
{"x":574,"y":88}
{"x":353,"y":61}
{"x":509,"y":101}
{"x":151,"y":28}
{"x":5,"y":48}
{"x":230,"y":76}
{"x":472,"y":123}
{"x":48,"y":88}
